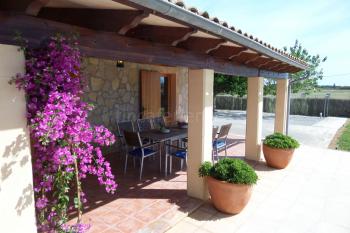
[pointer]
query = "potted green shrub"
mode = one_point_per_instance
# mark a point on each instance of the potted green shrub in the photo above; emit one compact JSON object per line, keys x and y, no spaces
{"x":279,"y":149}
{"x":230,"y":183}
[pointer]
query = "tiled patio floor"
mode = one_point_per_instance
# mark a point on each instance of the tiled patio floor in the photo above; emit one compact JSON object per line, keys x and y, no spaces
{"x":311,"y":196}
{"x":153,"y":205}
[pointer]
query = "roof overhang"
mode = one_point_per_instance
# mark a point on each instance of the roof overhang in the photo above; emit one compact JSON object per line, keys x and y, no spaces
{"x":158,"y":23}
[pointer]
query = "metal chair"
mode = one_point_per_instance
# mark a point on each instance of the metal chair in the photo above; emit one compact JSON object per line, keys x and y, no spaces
{"x":215,"y":132}
{"x":177,"y":152}
{"x":220,"y":142}
{"x":136,"y":149}
{"x":158,"y":122}
{"x":124,"y":126}
{"x":144,"y":124}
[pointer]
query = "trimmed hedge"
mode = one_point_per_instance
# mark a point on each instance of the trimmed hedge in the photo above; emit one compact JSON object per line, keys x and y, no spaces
{"x":281,"y":141}
{"x":234,"y":171}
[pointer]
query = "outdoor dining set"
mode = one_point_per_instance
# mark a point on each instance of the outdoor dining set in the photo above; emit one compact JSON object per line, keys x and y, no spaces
{"x":148,"y":137}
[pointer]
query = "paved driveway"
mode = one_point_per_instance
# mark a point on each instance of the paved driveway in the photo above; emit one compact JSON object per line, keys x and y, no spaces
{"x":311,"y":131}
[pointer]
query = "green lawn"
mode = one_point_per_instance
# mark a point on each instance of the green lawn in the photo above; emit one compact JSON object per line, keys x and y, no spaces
{"x":343,"y":142}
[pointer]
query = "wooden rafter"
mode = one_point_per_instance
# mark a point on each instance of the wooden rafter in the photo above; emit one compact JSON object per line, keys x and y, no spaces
{"x":282,"y":68}
{"x":266,"y":63}
{"x":275,"y":66}
{"x":256,"y":57}
{"x":226,"y":51}
{"x":260,"y":61}
{"x":238,"y":54}
{"x":136,"y":21}
{"x":35,"y":6}
{"x":244,"y":57}
{"x":216,"y":47}
{"x":201,"y":44}
{"x":184,"y":37}
{"x":160,"y":34}
{"x":97,"y":19}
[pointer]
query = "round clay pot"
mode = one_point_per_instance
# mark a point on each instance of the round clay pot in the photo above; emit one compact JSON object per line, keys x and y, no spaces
{"x":229,"y":198}
{"x":277,"y":158}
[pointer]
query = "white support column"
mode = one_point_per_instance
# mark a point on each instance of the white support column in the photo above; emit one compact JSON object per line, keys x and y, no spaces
{"x":16,"y":184}
{"x":281,"y":105}
{"x":254,"y":118}
{"x":200,"y":119}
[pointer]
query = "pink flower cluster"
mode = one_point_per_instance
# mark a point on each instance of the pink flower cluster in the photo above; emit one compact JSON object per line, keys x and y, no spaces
{"x":61,"y":134}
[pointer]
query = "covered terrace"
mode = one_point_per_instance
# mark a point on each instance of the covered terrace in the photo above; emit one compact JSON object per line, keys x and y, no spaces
{"x":156,"y":35}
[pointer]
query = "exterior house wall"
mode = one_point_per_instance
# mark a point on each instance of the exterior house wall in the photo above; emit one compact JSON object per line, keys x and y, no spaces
{"x":115,"y":92}
{"x":17,"y":211}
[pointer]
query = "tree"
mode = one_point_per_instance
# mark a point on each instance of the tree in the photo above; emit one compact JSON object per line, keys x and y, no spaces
{"x":227,"y":84}
{"x":306,"y":80}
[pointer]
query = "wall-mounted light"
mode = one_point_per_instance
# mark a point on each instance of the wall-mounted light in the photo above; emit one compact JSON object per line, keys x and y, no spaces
{"x":120,"y":64}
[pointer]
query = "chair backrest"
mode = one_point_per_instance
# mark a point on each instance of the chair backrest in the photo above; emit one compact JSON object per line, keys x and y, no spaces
{"x":125,"y":126}
{"x":144,"y":124}
{"x":215,"y":132}
{"x":158,"y":122}
{"x":224,"y":130}
{"x":132,"y":139}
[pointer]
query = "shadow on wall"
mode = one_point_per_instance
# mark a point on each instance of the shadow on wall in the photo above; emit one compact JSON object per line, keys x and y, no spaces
{"x":13,"y":155}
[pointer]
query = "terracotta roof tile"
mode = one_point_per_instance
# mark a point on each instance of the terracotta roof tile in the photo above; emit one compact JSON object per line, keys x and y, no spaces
{"x":205,"y":15}
{"x":216,"y":20}
{"x":194,"y":10}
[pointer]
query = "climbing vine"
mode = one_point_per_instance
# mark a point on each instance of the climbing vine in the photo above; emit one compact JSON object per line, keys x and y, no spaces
{"x":66,"y":148}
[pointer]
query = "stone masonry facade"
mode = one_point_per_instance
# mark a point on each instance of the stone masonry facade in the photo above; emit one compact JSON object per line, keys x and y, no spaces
{"x":115,"y":92}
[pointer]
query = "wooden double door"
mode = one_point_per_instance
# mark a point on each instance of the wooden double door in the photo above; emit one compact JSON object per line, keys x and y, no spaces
{"x":158,"y":95}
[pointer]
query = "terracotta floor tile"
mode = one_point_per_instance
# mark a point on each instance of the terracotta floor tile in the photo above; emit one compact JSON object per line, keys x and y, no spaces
{"x":148,"y":215}
{"x":112,"y":218}
{"x":130,"y":225}
{"x":112,"y":230}
{"x":97,"y":228}
{"x":155,"y":203}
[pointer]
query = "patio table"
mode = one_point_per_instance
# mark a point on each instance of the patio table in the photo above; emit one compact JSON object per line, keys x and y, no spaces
{"x":157,"y":136}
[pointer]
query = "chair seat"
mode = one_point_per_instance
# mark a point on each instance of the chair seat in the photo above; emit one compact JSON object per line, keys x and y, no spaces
{"x":180,"y":154}
{"x":138,"y":152}
{"x":219,"y":144}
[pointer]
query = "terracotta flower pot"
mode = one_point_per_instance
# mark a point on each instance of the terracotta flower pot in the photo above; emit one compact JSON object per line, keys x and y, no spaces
{"x":277,"y":158}
{"x":229,"y":198}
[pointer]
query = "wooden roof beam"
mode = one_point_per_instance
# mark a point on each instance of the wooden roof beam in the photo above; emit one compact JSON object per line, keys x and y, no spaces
{"x":266,"y":63}
{"x":253,"y":59}
{"x":184,"y":37}
{"x":202,"y":44}
{"x":238,"y":54}
{"x":113,"y":46}
{"x":260,"y":61}
{"x":216,"y":47}
{"x":283,"y":68}
{"x":35,"y":6}
{"x":134,"y":22}
{"x":275,"y":66}
{"x":226,"y":51}
{"x":160,"y":34}
{"x":97,"y":19}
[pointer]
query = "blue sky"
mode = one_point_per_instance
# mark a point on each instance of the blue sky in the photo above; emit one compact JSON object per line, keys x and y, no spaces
{"x":322,"y":26}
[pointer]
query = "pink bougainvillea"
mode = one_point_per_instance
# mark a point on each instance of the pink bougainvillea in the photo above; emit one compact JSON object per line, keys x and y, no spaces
{"x":66,"y":148}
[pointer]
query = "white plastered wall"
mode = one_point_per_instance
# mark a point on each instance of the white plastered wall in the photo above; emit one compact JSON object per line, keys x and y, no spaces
{"x":17,"y":214}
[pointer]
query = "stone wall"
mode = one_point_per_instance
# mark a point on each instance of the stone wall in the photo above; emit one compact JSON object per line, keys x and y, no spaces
{"x":115,"y":92}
